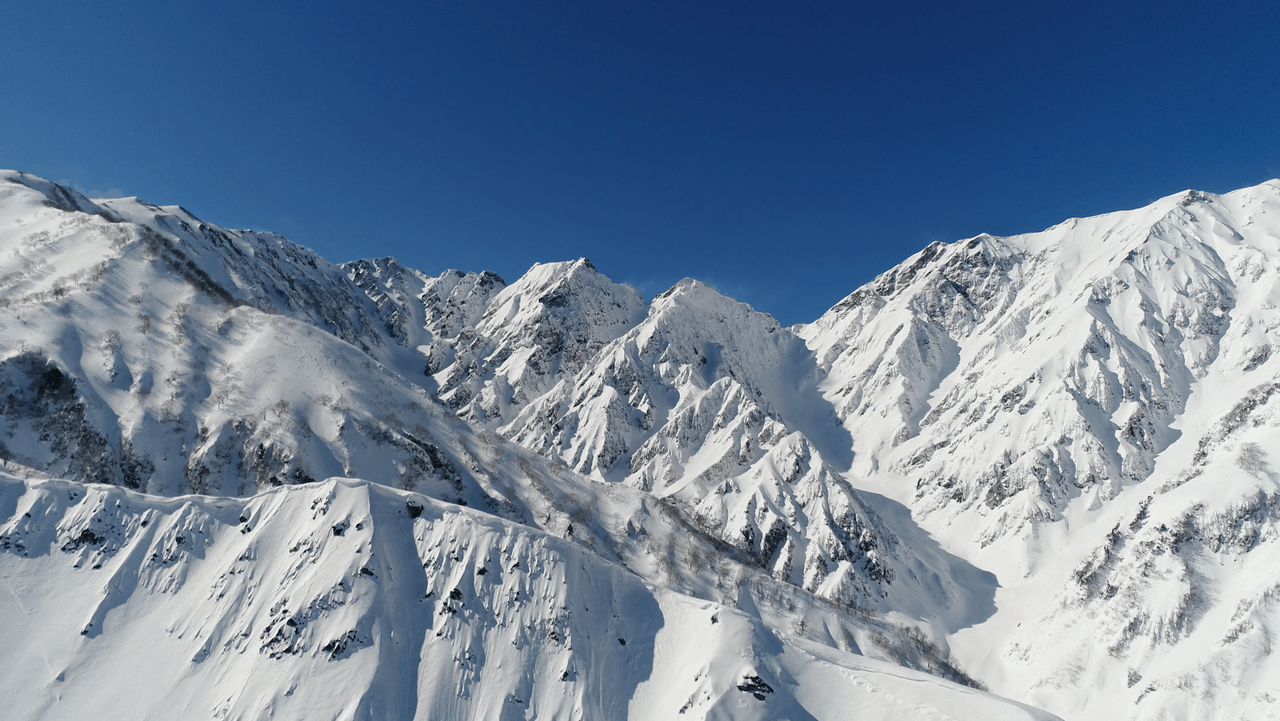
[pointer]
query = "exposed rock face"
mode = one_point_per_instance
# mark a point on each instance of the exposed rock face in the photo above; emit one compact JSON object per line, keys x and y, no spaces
{"x":695,"y":396}
{"x":707,"y":401}
{"x":532,"y":334}
{"x":1017,"y":374}
{"x":152,"y":351}
{"x":424,"y":315}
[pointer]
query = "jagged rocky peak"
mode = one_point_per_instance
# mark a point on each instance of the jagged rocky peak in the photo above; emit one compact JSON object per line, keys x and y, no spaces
{"x":1086,"y":411}
{"x":258,"y":269}
{"x":570,"y":297}
{"x":695,"y":349}
{"x":953,"y":287}
{"x":716,"y":406}
{"x":694,"y":325}
{"x":457,"y":300}
{"x":396,"y":291}
{"x":544,"y":327}
{"x":1115,"y":387}
{"x":416,"y":307}
{"x":151,"y":350}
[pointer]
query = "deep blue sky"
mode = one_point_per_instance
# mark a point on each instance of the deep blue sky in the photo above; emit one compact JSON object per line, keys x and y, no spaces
{"x":785,"y":152}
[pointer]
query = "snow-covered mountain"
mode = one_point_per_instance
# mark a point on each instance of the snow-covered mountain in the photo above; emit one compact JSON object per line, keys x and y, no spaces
{"x":1039,"y":460}
{"x":1087,"y":412}
{"x":695,"y":396}
{"x":202,"y":374}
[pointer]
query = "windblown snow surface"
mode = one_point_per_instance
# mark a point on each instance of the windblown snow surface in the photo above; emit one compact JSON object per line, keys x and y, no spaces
{"x":1038,"y":464}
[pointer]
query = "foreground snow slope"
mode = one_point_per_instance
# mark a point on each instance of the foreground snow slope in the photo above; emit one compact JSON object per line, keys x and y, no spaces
{"x":349,"y":600}
{"x":1049,"y":452}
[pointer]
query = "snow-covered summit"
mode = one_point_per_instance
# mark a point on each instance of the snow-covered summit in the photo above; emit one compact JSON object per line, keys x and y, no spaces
{"x":1020,"y":373}
{"x":47,"y":193}
{"x":530,"y":334}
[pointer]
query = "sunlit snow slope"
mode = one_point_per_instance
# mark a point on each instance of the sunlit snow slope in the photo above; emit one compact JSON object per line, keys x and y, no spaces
{"x":1048,"y":454}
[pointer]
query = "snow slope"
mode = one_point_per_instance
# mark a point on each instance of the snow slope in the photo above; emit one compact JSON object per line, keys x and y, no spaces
{"x":346,"y":599}
{"x":715,"y":405}
{"x":230,"y":361}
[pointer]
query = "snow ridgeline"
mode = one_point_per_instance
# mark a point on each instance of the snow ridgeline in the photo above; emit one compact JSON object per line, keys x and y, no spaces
{"x":191,"y":358}
{"x":347,"y":599}
{"x":694,"y":397}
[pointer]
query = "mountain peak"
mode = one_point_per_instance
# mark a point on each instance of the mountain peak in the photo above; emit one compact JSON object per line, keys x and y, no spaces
{"x":55,"y":195}
{"x":693,"y":292}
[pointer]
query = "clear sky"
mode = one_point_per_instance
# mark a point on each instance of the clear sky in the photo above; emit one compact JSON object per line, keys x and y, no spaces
{"x":784,"y":152}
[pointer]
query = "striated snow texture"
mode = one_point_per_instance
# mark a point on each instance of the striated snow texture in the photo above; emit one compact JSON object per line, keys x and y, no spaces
{"x":346,"y":599}
{"x":695,"y":397}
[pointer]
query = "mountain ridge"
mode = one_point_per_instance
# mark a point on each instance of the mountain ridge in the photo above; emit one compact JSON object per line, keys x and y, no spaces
{"x":153,"y":351}
{"x":1046,"y":454}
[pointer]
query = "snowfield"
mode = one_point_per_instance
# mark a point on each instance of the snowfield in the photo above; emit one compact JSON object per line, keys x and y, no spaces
{"x":1038,"y":465}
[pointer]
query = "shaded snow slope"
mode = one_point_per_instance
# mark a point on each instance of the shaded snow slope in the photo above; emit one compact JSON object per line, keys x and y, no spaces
{"x":717,"y":406}
{"x":1010,"y":376}
{"x":349,"y":600}
{"x":148,"y":349}
{"x":428,"y":319}
{"x":136,"y":375}
{"x":165,"y":354}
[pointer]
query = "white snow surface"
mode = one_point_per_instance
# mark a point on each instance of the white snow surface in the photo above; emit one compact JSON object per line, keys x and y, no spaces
{"x":208,"y":379}
{"x":1088,"y":413}
{"x":347,"y":599}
